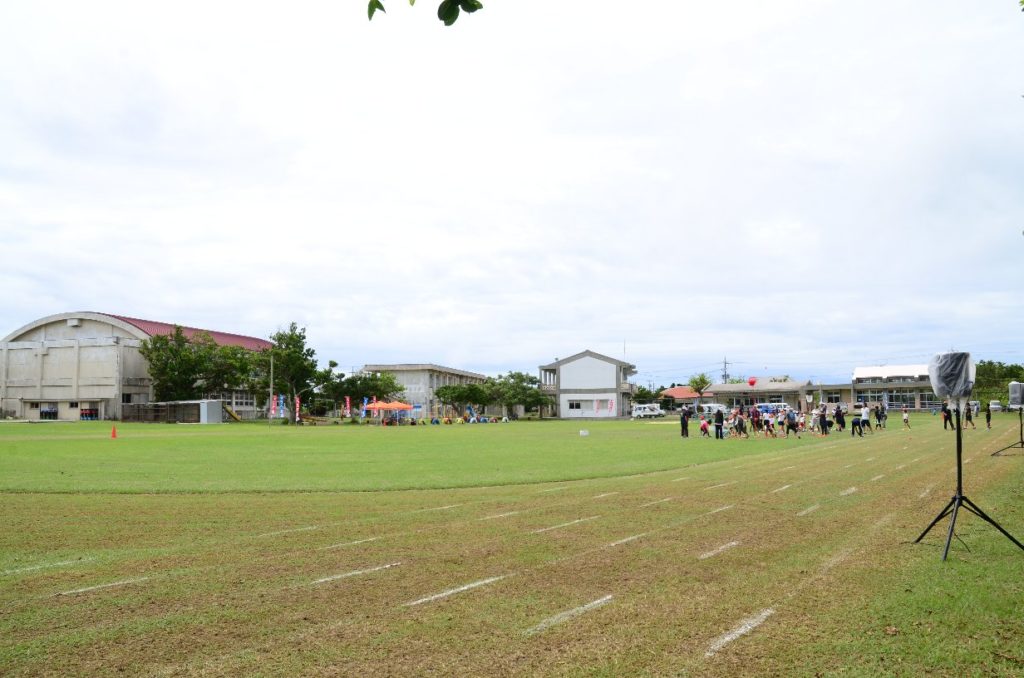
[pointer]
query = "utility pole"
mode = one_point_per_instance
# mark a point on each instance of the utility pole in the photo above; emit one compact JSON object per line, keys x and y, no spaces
{"x":725,"y":371}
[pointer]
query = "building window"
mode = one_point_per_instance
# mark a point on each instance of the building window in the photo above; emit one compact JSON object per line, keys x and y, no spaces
{"x":833,"y":397}
{"x":126,"y":398}
{"x":575,"y":405}
{"x":73,"y":404}
{"x":33,"y":406}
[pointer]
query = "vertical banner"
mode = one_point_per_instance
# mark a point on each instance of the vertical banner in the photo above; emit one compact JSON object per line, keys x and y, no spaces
{"x":298,"y":417}
{"x":280,"y":405}
{"x":273,"y":405}
{"x":348,"y":406}
{"x":362,"y":413}
{"x":611,"y":405}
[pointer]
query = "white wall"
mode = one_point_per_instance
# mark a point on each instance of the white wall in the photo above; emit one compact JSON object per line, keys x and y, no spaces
{"x":587,"y":404}
{"x":588,"y":372}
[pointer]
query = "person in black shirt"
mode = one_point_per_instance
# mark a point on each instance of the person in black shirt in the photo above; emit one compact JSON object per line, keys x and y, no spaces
{"x":719,"y":421}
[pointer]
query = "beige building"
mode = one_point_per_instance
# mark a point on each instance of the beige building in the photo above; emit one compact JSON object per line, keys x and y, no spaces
{"x":84,"y":365}
{"x":420,"y":380}
{"x":588,"y":385}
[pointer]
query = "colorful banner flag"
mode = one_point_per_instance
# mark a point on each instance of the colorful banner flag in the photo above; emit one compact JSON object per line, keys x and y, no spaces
{"x":611,"y":405}
{"x":348,"y":406}
{"x":273,"y":405}
{"x":298,"y":403}
{"x":366,"y":401}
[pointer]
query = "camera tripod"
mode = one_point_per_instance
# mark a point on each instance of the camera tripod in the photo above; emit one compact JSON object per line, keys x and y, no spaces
{"x":1020,"y":444}
{"x":960,"y":500}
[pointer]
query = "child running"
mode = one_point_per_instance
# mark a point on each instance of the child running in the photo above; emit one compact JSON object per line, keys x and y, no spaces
{"x":906,"y":417}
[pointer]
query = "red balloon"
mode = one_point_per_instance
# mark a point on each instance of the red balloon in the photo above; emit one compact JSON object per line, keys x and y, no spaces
{"x":752,"y":381}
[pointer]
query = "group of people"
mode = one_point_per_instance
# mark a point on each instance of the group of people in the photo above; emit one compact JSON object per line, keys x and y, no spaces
{"x":784,"y":420}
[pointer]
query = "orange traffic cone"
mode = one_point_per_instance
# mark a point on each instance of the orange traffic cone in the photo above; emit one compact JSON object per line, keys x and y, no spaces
{"x":113,"y":431}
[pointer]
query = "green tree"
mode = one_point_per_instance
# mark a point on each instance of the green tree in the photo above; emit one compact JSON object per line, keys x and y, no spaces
{"x":518,"y":388}
{"x":176,"y":365}
{"x":992,"y":380}
{"x":382,"y":385}
{"x":642,"y":394}
{"x":295,"y":366}
{"x":448,"y":11}
{"x":700,"y":383}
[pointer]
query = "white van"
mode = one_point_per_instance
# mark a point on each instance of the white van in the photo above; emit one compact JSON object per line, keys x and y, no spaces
{"x":647,"y":410}
{"x":709,"y":409}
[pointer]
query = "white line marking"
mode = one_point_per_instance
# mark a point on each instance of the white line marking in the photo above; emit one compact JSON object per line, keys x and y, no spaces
{"x":571,"y":522}
{"x":781,"y":489}
{"x":879,"y":477}
{"x":968,"y":460}
{"x":553,"y":489}
{"x":900,"y":467}
{"x":501,"y":515}
{"x":297,"y":529}
{"x":789,"y":468}
{"x":354,"y":574}
{"x":451,"y":592}
{"x":437,"y":508}
{"x":848,"y":466}
{"x":679,"y":479}
{"x":927,"y":491}
{"x":914,"y":459}
{"x":348,"y":543}
{"x":745,"y":627}
{"x":715,"y":487}
{"x":718,"y":510}
{"x":606,"y":494}
{"x":659,"y":501}
{"x":870,"y":459}
{"x":102,"y":586}
{"x":569,"y":614}
{"x":628,"y":539}
{"x":720,"y":549}
{"x":809,"y":509}
{"x":44,"y":566}
{"x":848,"y":491}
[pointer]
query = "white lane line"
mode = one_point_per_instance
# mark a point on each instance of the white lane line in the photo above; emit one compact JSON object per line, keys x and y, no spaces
{"x":900,"y":467}
{"x":720,"y":549}
{"x":437,"y":508}
{"x":848,"y":466}
{"x":927,"y":491}
{"x":719,"y":510}
{"x":715,"y":487}
{"x":745,"y":627}
{"x":847,"y":491}
{"x":44,"y":566}
{"x":914,"y":459}
{"x":676,"y":480}
{"x":781,"y":489}
{"x":658,"y":501}
{"x":355,"y":573}
{"x":124,"y":582}
{"x":788,"y":468}
{"x":870,"y":459}
{"x":878,"y":477}
{"x":553,"y":489}
{"x":809,"y":509}
{"x":568,"y":614}
{"x":606,"y":494}
{"x":296,"y":529}
{"x":628,"y":539}
{"x":968,"y":460}
{"x":571,"y":522}
{"x":452,"y":592}
{"x":347,"y":543}
{"x":501,"y":515}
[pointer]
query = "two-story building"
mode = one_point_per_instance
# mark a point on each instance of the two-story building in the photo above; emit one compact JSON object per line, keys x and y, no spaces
{"x":419,"y":382}
{"x":588,"y":385}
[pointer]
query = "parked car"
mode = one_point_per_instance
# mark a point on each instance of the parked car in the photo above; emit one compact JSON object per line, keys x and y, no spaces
{"x":995,"y":406}
{"x":709,"y":409}
{"x":647,"y":410}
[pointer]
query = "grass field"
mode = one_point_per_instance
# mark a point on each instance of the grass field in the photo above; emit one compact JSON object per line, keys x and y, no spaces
{"x":518,"y":549}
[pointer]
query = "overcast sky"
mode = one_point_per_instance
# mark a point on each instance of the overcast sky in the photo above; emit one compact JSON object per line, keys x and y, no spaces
{"x":799,"y":186}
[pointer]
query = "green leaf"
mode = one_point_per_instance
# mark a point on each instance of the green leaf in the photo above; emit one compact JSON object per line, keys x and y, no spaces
{"x":412,"y":2}
{"x":373,"y":7}
{"x":470,"y":6}
{"x":448,"y":11}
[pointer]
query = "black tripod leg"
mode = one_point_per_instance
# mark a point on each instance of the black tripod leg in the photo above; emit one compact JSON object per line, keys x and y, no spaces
{"x":952,"y":523}
{"x":971,"y":505}
{"x":942,"y":514}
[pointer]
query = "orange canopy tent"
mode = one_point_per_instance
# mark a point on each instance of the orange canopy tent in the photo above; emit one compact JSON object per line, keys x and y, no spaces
{"x":384,"y":406}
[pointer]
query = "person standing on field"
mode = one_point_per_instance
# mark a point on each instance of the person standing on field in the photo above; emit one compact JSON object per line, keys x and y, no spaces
{"x":719,"y":422}
{"x":988,"y":417}
{"x":906,"y":417}
{"x":684,"y":423}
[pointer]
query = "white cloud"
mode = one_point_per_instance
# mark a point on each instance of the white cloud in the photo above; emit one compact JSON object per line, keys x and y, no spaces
{"x":799,"y":186}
